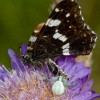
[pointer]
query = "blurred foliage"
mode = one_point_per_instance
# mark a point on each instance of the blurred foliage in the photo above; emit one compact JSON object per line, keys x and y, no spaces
{"x":19,"y":17}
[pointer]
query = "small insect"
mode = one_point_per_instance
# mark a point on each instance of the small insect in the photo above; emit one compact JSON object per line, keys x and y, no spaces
{"x":64,"y":33}
{"x":60,"y":84}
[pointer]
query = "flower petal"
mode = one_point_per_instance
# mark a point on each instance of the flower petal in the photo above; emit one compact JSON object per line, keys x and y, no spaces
{"x":82,"y":73}
{"x":79,"y":85}
{"x":88,"y":86}
{"x":83,"y":96}
{"x":3,"y":72}
{"x":15,"y":61}
{"x":23,"y":49}
{"x":95,"y":96}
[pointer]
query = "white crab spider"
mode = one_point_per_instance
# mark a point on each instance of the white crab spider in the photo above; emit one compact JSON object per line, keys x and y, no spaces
{"x":59,"y":85}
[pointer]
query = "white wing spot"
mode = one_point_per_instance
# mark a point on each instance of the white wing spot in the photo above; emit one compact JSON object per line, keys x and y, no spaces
{"x":80,"y":13}
{"x":95,"y":39}
{"x":66,"y":50}
{"x":70,"y":27}
{"x":57,"y":10}
{"x":36,"y":31}
{"x":44,"y":36}
{"x":67,"y":15}
{"x":75,"y":15}
{"x":72,"y":0}
{"x":56,"y":35}
{"x":47,"y":22}
{"x":80,"y":7}
{"x":32,"y":38}
{"x":65,"y":46}
{"x":62,"y":38}
{"x":67,"y":53}
{"x":88,"y":27}
{"x":84,"y":24}
{"x":93,"y":32}
{"x":67,"y":20}
{"x":61,"y":9}
{"x":51,"y":22}
{"x":29,"y":48}
{"x":56,"y":30}
{"x":94,"y":46}
{"x":91,"y":39}
{"x":82,"y":18}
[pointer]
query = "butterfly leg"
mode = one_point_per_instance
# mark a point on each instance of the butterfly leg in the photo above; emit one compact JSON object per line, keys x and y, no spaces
{"x":66,"y":84}
{"x":55,"y":69}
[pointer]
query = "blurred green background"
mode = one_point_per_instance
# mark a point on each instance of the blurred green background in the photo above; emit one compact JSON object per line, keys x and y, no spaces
{"x":19,"y":17}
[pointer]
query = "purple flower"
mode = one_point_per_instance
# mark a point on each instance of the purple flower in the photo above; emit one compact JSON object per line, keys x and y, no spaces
{"x":25,"y":82}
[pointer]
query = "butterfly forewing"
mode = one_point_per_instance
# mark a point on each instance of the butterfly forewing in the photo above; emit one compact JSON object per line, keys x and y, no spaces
{"x":33,"y":38}
{"x":64,"y":33}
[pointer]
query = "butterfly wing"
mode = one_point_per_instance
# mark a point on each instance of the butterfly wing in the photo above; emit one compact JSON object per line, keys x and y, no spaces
{"x":64,"y":33}
{"x":33,"y":38}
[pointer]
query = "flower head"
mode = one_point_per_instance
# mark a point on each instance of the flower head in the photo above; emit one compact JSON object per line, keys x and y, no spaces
{"x":25,"y":82}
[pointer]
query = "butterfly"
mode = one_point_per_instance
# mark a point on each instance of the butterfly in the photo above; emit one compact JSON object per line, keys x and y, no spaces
{"x":64,"y":33}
